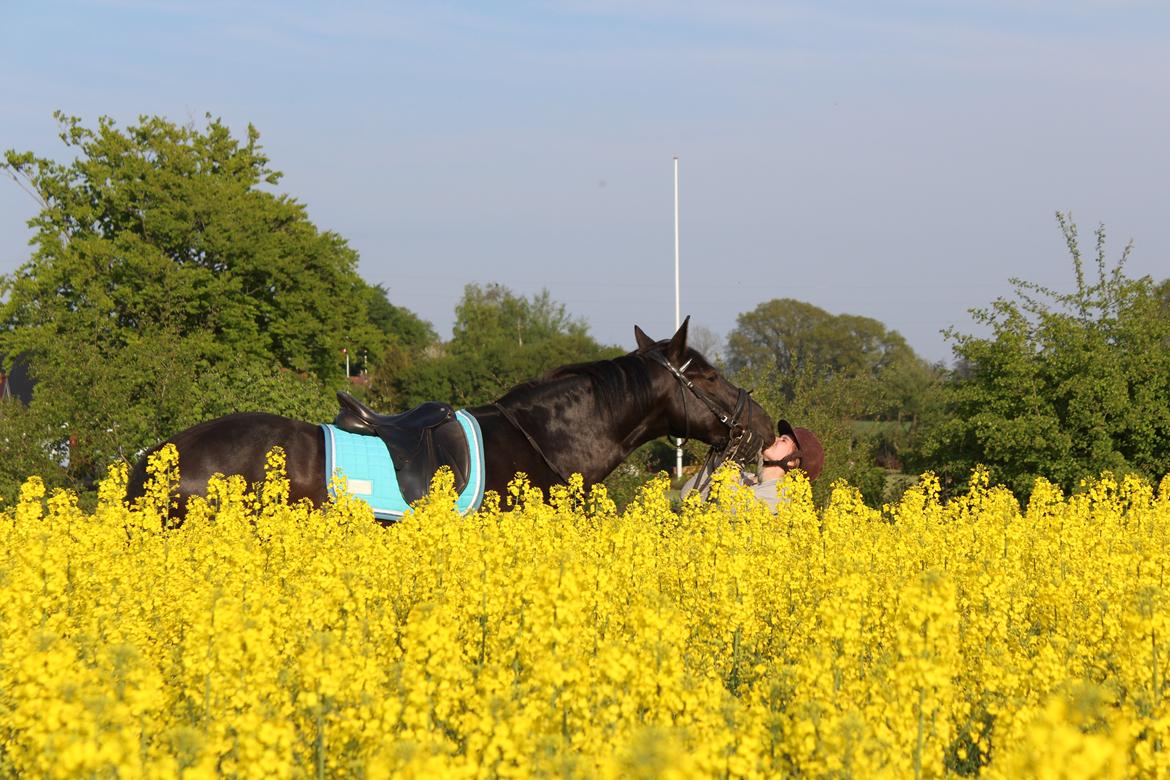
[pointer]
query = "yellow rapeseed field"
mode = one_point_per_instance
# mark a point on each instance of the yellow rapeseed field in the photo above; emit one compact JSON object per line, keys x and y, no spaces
{"x":562,"y":638}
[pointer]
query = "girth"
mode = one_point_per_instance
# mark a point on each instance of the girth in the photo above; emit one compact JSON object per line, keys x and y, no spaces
{"x":420,"y":441}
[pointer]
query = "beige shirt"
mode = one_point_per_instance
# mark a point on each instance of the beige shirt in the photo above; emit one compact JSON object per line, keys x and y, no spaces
{"x":770,"y":492}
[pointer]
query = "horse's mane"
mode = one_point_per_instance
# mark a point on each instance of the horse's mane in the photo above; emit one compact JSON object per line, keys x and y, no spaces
{"x":614,"y":382}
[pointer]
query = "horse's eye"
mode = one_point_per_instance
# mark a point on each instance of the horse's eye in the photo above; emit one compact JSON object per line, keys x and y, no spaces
{"x":710,"y":376}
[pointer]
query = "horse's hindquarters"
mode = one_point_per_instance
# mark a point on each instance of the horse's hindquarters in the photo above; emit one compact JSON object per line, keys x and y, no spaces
{"x":239,"y":444}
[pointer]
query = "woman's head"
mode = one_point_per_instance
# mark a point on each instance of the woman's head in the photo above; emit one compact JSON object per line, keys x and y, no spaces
{"x":796,"y":448}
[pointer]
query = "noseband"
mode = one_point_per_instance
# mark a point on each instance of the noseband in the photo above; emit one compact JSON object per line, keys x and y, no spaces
{"x":739,"y":436}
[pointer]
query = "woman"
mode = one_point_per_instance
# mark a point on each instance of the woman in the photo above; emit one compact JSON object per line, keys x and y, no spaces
{"x":793,"y":448}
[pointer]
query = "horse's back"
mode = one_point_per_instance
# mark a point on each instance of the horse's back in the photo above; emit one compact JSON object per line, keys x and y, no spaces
{"x":237,"y":444}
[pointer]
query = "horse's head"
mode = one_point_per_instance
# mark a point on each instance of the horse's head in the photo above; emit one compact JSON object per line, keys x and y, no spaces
{"x":699,"y":403}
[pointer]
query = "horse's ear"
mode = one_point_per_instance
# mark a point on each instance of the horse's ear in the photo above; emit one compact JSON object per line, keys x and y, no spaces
{"x":678,"y":343}
{"x":644,"y":341}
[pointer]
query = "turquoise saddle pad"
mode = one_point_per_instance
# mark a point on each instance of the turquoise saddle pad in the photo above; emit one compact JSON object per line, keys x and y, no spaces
{"x":369,"y":472}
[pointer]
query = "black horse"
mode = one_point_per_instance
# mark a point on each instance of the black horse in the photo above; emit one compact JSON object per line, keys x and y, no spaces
{"x":584,"y":418}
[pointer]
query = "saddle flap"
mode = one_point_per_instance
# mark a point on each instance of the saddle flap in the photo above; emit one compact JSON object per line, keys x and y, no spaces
{"x":445,"y":445}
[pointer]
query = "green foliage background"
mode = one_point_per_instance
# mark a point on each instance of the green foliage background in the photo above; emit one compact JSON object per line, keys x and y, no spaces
{"x":169,"y":282}
{"x":499,"y":339}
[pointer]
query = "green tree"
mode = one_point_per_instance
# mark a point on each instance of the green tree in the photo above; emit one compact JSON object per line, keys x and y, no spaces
{"x":796,"y":340}
{"x":499,"y":339}
{"x":30,"y":447}
{"x":161,"y":260}
{"x":407,"y":337}
{"x":168,"y":226}
{"x":492,"y":316}
{"x":909,"y":406}
{"x":400,"y":327}
{"x":1066,"y":384}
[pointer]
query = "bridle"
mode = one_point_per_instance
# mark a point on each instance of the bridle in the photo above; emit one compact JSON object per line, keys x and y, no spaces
{"x":739,"y":438}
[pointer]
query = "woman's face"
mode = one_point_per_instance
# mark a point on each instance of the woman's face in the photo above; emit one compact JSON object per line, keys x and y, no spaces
{"x":781,"y":449}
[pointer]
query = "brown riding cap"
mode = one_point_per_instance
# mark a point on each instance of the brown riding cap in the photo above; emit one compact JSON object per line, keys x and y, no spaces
{"x":808,"y":446}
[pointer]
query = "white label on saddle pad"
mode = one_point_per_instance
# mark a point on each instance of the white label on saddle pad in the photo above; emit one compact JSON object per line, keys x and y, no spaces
{"x":360,"y":487}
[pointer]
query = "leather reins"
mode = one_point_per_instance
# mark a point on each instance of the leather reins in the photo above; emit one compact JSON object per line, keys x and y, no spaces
{"x":516,"y":424}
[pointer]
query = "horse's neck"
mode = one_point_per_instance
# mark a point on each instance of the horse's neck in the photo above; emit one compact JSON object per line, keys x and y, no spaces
{"x":565,"y":421}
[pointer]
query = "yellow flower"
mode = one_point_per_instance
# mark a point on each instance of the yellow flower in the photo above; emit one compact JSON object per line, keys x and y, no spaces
{"x":562,"y":637}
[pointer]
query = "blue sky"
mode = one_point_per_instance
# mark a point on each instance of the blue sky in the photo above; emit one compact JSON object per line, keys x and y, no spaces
{"x":897,"y":160}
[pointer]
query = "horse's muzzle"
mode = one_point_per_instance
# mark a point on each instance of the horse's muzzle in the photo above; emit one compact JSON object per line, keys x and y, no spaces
{"x":743,"y":445}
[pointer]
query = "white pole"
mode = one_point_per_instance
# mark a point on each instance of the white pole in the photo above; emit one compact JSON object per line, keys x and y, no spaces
{"x":677,"y":321}
{"x":678,"y":449}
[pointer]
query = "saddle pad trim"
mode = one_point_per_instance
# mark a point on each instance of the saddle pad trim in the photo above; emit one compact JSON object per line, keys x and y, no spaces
{"x":374,"y":479}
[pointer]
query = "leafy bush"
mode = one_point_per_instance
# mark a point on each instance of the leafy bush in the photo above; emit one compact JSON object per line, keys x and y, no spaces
{"x":1066,"y":385}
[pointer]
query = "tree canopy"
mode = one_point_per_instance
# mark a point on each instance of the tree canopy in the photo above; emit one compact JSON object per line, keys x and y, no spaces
{"x":398,"y":324}
{"x":794,"y":340}
{"x":162,"y":226}
{"x":168,"y":281}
